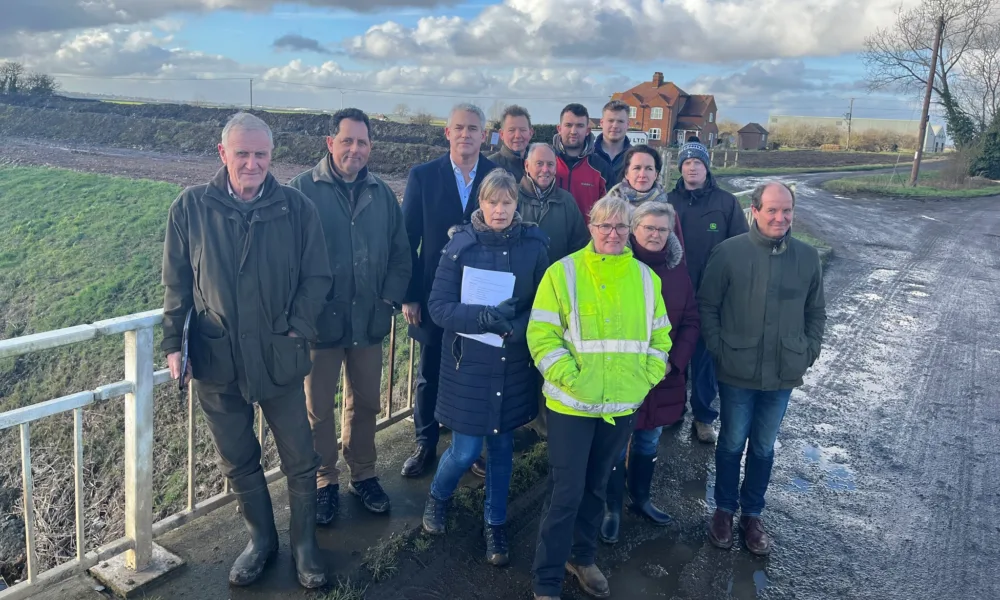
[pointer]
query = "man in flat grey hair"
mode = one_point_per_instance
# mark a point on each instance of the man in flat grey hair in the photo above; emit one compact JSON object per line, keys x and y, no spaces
{"x":247,"y":256}
{"x":439,"y":194}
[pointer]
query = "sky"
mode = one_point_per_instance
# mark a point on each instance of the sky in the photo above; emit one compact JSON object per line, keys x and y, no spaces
{"x":758,"y":57}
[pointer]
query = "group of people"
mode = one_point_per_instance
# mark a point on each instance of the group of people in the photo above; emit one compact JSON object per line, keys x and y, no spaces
{"x":620,"y":288}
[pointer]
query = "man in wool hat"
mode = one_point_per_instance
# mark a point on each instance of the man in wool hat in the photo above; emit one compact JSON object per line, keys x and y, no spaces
{"x":708,"y":216}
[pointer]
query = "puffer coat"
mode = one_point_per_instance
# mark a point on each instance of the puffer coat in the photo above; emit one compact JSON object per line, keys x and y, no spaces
{"x":485,"y":390}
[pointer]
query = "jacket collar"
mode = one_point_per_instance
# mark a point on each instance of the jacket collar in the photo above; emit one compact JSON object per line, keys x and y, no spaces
{"x":599,"y":148}
{"x":530,"y":188}
{"x":774,"y":246}
{"x":588,"y":147}
{"x":510,"y":154}
{"x":670,"y":256}
{"x":698,"y":194}
{"x":324,"y":171}
{"x":218,"y":189}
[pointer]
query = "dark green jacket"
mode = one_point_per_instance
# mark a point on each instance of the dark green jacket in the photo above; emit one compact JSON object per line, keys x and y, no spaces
{"x":368,"y":251}
{"x":509,"y":160}
{"x":556,"y":214}
{"x":762,"y":310}
{"x":252,"y":273}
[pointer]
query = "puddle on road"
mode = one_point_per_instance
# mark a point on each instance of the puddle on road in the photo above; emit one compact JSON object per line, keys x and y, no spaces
{"x":832,"y":460}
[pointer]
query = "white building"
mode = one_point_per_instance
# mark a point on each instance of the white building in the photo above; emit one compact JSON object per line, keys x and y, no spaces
{"x":934,"y":141}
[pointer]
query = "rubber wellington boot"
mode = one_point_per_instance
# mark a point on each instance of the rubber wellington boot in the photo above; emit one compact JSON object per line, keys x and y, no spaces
{"x":613,"y":505}
{"x":302,"y":533}
{"x":640,"y":481}
{"x":255,"y":505}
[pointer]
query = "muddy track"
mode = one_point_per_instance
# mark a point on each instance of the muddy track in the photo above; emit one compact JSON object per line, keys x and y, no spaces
{"x":887,"y":477}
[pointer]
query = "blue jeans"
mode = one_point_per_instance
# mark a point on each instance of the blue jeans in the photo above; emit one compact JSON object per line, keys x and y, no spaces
{"x":458,"y":458}
{"x":645,"y":442}
{"x":704,"y":386}
{"x":752,"y":415}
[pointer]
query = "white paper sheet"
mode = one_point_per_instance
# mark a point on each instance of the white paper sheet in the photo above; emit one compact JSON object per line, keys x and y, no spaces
{"x":488,"y":288}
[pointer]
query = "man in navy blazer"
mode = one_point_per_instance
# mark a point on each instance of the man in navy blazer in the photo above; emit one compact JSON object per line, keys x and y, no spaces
{"x":439,"y":194}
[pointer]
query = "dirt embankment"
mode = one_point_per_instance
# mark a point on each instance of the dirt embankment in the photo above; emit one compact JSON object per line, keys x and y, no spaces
{"x":171,"y":136}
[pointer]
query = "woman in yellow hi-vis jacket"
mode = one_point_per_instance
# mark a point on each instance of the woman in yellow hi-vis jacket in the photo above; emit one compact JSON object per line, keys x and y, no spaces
{"x":599,"y":334}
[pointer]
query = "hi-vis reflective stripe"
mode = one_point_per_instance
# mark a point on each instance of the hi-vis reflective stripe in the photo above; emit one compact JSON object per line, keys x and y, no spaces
{"x":660,"y":355}
{"x":545,"y":316}
{"x":574,"y":334}
{"x":592,"y":409}
{"x":550,"y":359}
{"x":661,"y":322}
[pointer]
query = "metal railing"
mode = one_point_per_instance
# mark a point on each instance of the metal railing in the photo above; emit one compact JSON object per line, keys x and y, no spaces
{"x":138,"y":390}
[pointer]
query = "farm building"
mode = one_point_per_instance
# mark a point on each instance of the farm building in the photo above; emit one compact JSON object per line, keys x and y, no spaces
{"x":752,"y":136}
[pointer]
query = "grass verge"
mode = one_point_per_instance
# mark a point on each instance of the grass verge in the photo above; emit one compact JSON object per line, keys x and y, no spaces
{"x":930,"y":185}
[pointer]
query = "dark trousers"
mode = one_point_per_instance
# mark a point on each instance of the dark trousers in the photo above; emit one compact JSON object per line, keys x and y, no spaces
{"x":426,"y":426}
{"x":704,"y":385}
{"x":230,"y":419}
{"x":582,"y":451}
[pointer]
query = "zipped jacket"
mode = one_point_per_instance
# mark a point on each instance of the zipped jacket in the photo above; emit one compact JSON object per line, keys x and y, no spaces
{"x":599,"y":334}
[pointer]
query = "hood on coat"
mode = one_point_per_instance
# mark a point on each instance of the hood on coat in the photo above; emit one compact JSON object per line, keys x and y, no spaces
{"x":588,"y":146}
{"x":671,"y":254}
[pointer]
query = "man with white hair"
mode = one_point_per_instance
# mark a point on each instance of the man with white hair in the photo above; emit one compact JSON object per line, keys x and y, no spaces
{"x":246,"y":273}
{"x":439,"y":194}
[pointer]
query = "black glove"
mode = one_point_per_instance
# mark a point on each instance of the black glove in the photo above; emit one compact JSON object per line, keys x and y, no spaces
{"x":492,"y":321}
{"x":507,"y":308}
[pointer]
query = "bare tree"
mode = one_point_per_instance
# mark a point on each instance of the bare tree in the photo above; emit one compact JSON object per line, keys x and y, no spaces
{"x":401,"y":110}
{"x":899,"y":56}
{"x":39,"y":84}
{"x":422,"y":118}
{"x":978,"y":88}
{"x":11,"y":75}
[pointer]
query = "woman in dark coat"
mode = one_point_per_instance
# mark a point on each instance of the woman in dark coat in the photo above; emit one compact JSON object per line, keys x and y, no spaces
{"x":485,"y":391}
{"x":655,"y":244}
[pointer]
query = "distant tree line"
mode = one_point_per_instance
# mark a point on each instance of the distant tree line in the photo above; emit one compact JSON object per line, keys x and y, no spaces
{"x":805,"y":135}
{"x":15,"y":80}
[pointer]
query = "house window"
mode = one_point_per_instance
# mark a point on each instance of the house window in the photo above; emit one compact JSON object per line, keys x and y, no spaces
{"x":631,"y":112}
{"x":656,"y":114}
{"x":764,"y":138}
{"x":711,"y":117}
{"x":654,"y":133}
{"x":680,"y":136}
{"x":711,"y":138}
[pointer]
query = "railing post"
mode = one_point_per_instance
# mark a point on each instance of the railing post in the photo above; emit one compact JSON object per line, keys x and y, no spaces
{"x":139,"y":448}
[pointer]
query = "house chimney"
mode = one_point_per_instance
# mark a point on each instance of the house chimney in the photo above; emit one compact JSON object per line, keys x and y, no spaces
{"x":657,"y":79}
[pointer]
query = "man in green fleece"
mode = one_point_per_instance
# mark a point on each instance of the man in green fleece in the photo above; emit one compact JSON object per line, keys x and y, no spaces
{"x":246,"y":256}
{"x":370,"y":257}
{"x":762,"y":319}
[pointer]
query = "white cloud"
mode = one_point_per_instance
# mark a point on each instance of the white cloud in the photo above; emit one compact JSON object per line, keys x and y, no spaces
{"x":530,"y":32}
{"x":58,"y":15}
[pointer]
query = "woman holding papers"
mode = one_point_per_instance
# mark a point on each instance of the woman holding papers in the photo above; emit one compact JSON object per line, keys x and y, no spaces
{"x":481,"y":297}
{"x":599,"y":334}
{"x":655,"y":244}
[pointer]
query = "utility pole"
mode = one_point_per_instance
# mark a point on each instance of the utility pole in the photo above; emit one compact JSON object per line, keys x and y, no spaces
{"x":927,"y":103}
{"x":251,"y":94}
{"x":849,"y":115}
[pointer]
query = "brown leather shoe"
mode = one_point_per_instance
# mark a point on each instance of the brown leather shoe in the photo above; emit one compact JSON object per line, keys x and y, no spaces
{"x":591,"y":580}
{"x":754,"y":536}
{"x":720,"y":530}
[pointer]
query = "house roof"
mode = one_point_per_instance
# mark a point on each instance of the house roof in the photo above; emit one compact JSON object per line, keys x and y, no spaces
{"x":645,"y":94}
{"x":697,"y":105}
{"x":689,"y":123}
{"x":753,"y":128}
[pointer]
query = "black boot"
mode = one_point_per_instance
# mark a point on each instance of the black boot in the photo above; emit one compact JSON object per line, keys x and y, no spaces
{"x":418,"y":462}
{"x":302,"y":533}
{"x":497,"y":550}
{"x":255,"y":506}
{"x":435,"y":515}
{"x":613,"y":504}
{"x":640,"y":480}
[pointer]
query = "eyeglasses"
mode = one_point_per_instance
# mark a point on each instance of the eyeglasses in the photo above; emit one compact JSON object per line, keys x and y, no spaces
{"x":606,"y":228}
{"x":660,"y":230}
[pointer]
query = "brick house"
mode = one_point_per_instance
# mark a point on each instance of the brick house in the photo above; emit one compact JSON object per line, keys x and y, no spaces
{"x":668,"y":114}
{"x":752,"y":136}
